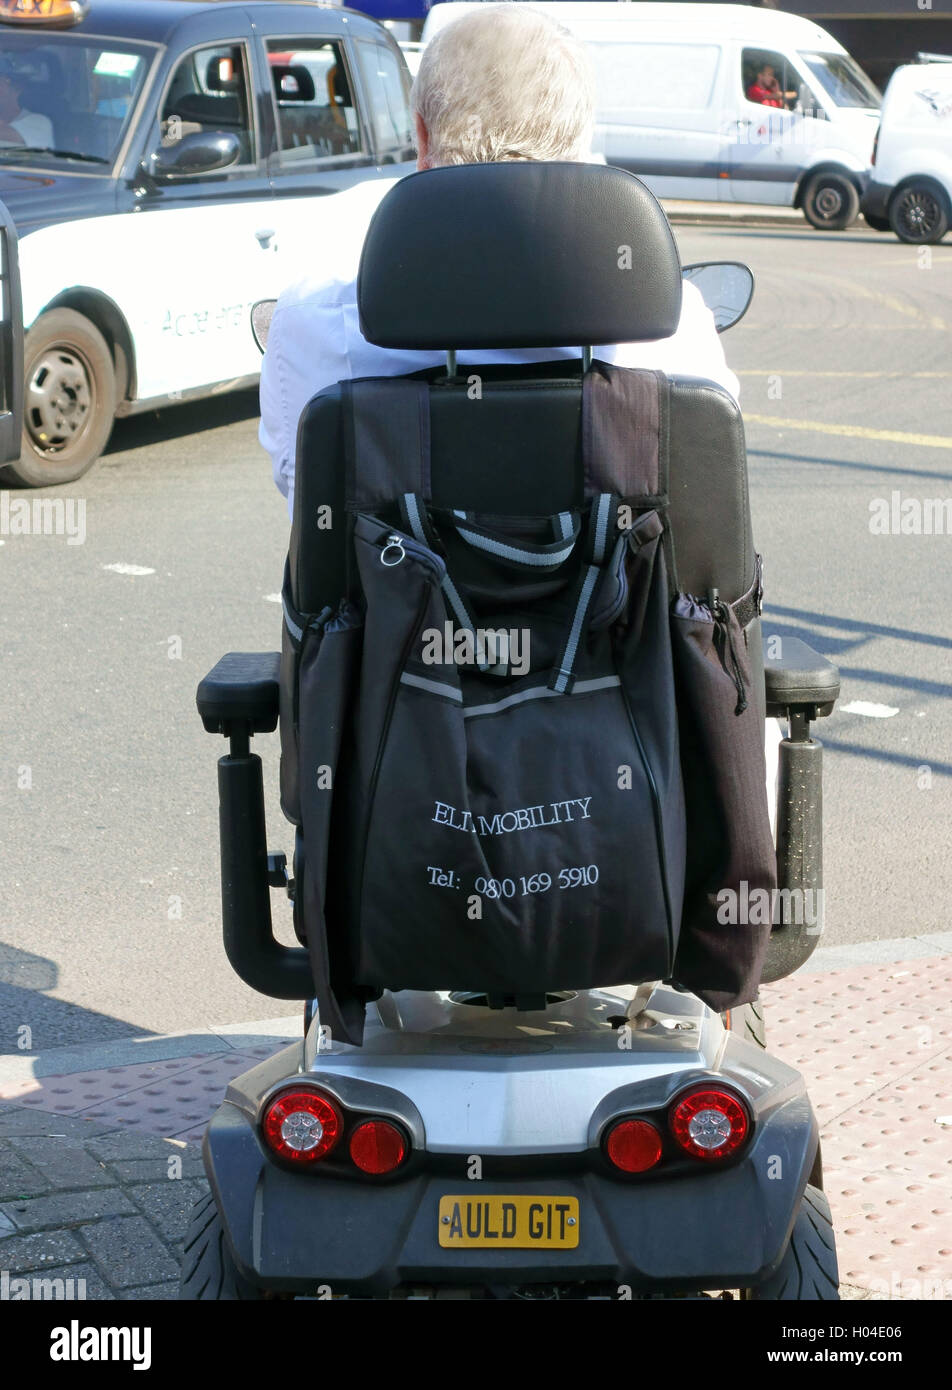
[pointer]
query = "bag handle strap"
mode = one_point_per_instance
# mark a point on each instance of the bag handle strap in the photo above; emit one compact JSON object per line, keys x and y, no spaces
{"x":604,"y":523}
{"x":526,"y":556}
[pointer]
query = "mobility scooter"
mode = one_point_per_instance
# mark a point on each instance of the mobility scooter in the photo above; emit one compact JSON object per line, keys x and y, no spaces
{"x":583,"y":1139}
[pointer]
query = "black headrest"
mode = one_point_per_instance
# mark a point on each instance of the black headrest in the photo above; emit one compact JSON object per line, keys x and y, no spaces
{"x":293,"y":82}
{"x":518,"y":255}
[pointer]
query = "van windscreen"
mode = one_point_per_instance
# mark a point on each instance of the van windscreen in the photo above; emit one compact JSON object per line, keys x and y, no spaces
{"x":843,"y":80}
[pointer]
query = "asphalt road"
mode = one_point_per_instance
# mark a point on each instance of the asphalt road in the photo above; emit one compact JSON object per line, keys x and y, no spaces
{"x":109,"y":896}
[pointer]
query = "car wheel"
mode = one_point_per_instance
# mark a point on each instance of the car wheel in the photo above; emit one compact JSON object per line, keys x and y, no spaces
{"x":69,"y":400}
{"x":919,"y":212}
{"x":808,"y":1270}
{"x":830,"y":201}
{"x":747,"y":1022}
{"x":209,"y":1272}
{"x":878,"y":224}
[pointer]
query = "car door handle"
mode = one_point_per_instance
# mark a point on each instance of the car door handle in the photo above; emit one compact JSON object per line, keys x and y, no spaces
{"x":265,"y":237}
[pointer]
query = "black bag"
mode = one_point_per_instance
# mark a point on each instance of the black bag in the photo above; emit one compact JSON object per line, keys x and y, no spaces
{"x":509,"y":817}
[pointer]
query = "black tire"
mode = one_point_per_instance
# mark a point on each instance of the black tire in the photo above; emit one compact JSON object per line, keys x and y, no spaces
{"x":69,"y":400}
{"x":830,"y":201}
{"x":748,"y":1022}
{"x":878,"y":224}
{"x":919,"y":212}
{"x":808,"y":1270}
{"x":208,"y":1270}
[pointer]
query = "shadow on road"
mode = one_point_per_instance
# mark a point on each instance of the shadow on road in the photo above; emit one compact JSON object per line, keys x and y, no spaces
{"x":193,"y":417}
{"x":31,"y":1021}
{"x":887,"y":468}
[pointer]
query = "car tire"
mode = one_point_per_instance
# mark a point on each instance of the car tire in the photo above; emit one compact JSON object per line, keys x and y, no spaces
{"x":878,"y":224}
{"x":747,"y":1022}
{"x":69,"y":400}
{"x":830,"y":201}
{"x":808,"y":1270}
{"x":919,"y":212}
{"x":209,"y":1272}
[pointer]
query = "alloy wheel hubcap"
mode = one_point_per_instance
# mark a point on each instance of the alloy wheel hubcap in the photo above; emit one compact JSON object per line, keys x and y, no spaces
{"x":920,"y":213}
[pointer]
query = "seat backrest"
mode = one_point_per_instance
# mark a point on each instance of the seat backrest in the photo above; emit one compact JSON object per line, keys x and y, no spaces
{"x":435,"y":274}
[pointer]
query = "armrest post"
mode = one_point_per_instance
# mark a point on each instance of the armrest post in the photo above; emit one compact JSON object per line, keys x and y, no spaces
{"x":801,"y":686}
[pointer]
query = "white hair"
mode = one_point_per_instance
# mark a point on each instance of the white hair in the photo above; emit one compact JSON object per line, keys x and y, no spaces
{"x":505,"y":82}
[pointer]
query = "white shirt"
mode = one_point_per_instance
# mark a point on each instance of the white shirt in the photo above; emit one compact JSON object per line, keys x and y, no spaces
{"x":315,"y":340}
{"x":36,"y":129}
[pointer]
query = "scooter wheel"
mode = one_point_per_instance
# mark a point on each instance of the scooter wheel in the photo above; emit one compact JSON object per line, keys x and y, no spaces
{"x":808,"y":1270}
{"x":208,"y":1269}
{"x":747,"y":1021}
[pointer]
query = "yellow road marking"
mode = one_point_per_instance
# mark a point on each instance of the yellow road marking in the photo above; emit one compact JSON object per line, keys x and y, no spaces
{"x":925,"y":441}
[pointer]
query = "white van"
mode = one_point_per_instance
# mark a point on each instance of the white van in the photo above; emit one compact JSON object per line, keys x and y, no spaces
{"x":676,"y":90}
{"x":910,"y":189}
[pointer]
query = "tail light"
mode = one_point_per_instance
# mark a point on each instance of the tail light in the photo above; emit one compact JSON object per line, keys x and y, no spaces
{"x":377,"y":1146}
{"x":709,"y":1124}
{"x":634,"y":1146}
{"x":302,"y":1126}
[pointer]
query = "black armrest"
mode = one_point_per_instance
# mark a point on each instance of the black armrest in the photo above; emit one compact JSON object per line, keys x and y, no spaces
{"x":799,"y":678}
{"x":241,"y":689}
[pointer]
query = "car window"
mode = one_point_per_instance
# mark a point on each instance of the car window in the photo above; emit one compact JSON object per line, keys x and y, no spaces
{"x":208,"y":92}
{"x":67,"y":100}
{"x":314,"y":101}
{"x":768,"y":79}
{"x":387,"y":84}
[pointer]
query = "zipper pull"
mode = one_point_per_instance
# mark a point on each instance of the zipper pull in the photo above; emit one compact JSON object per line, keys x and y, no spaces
{"x":393,"y":543}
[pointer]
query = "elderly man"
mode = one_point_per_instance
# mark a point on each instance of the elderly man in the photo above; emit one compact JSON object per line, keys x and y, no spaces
{"x":504,"y":82}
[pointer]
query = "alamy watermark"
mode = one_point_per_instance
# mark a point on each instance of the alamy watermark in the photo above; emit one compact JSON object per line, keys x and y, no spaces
{"x":38,"y":1289}
{"x":44,"y":516}
{"x":482,"y":646}
{"x":897,"y":515}
{"x":760,"y":907}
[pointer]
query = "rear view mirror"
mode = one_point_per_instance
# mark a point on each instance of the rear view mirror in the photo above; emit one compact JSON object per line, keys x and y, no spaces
{"x":261,"y":321}
{"x":727,"y":287}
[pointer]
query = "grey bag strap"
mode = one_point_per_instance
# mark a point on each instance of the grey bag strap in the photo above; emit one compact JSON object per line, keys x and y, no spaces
{"x":386,"y":424}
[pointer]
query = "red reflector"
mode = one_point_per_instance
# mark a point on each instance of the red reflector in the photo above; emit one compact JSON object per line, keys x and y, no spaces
{"x":709,"y":1124}
{"x":302,"y":1126}
{"x":633,"y":1146}
{"x":377,"y":1147}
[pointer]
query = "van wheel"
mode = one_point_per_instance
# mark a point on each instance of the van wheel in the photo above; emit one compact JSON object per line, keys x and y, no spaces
{"x":69,"y":400}
{"x":208,"y":1271}
{"x":919,"y":212}
{"x":808,"y":1270}
{"x":830,"y":201}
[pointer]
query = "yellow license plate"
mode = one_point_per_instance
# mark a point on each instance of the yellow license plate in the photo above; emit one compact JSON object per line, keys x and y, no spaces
{"x":516,"y":1223}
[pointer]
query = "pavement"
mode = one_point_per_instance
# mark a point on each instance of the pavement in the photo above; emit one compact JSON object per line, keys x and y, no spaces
{"x":684,"y":213}
{"x":100,"y":1143}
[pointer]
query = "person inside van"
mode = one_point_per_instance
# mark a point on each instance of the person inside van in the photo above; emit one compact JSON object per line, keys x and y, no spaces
{"x":17,"y":126}
{"x":502,"y":82}
{"x":766,"y":90}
